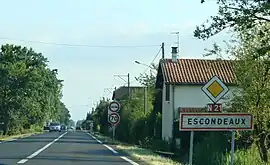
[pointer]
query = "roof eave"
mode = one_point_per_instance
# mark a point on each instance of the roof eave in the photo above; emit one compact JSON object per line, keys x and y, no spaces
{"x":195,"y":84}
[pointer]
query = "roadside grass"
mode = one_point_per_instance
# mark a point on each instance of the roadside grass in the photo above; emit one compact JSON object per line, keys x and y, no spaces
{"x":241,"y":157}
{"x":3,"y":138}
{"x":245,"y":157}
{"x":22,"y":134}
{"x":137,"y":153}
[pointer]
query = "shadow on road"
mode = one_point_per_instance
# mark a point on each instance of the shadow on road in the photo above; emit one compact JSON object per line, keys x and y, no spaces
{"x":101,"y":158}
{"x":99,"y":152}
{"x":38,"y":140}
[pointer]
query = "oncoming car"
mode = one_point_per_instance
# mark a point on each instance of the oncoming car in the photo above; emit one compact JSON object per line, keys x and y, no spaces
{"x":55,"y":127}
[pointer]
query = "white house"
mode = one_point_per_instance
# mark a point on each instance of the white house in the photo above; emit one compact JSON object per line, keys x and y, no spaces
{"x":180,"y":81}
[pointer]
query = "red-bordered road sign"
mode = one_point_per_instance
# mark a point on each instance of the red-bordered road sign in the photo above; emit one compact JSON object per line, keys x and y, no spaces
{"x":214,"y":107}
{"x":114,"y":118}
{"x":215,"y":121}
{"x":114,"y":106}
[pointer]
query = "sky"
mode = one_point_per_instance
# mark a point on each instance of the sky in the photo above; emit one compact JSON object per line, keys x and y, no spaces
{"x":96,"y":34}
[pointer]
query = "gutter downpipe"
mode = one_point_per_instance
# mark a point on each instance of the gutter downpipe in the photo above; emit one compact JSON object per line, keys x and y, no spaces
{"x":173,"y":105}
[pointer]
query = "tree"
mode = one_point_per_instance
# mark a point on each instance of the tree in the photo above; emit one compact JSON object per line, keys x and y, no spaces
{"x":253,"y":78}
{"x":250,"y":21}
{"x":30,"y":92}
{"x":63,"y":116}
{"x":239,"y":15}
{"x":148,"y":80}
{"x":136,"y":125}
{"x":71,"y":123}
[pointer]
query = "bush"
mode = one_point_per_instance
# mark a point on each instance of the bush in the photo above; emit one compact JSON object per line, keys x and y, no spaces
{"x":244,"y":157}
{"x":211,"y":149}
{"x":161,"y":145}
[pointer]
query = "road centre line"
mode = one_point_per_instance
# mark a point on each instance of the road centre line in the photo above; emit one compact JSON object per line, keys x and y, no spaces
{"x":40,"y":150}
{"x":115,"y":152}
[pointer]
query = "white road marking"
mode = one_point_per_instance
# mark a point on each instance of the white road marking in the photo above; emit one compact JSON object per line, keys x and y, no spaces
{"x":111,"y":149}
{"x":40,"y":150}
{"x":22,"y":161}
{"x":10,"y":140}
{"x":128,"y":160}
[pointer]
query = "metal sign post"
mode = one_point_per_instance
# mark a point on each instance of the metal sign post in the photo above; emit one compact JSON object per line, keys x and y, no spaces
{"x":232,"y":147}
{"x":191,"y":147}
{"x":113,"y":130}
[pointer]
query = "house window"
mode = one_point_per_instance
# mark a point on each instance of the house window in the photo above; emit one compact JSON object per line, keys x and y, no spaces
{"x":167,"y":93}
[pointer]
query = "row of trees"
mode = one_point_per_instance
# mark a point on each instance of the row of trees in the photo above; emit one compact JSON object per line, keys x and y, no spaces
{"x":250,"y":28}
{"x":30,"y":92}
{"x":137,"y":125}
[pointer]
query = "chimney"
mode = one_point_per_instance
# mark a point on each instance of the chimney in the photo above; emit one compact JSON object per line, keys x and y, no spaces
{"x":174,"y":54}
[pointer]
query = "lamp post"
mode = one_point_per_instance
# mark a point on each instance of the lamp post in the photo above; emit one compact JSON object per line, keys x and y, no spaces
{"x":149,"y":66}
{"x":145,"y":88}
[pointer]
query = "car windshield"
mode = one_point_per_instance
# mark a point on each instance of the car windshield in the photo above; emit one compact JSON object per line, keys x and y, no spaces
{"x":54,"y":124}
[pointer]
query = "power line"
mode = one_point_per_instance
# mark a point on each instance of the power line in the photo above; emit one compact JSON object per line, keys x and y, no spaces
{"x":79,"y":45}
{"x":153,"y":60}
{"x":150,"y":64}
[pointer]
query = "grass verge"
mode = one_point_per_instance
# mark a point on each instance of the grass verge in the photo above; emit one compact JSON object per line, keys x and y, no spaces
{"x":4,"y":138}
{"x":245,"y":157}
{"x":137,"y":153}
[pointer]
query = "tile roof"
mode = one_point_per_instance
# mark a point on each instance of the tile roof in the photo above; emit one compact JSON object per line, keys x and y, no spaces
{"x":181,"y":109}
{"x":197,"y":71}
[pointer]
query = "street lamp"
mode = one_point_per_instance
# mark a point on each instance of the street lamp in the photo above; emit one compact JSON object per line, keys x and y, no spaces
{"x":145,"y":88}
{"x":137,"y":62}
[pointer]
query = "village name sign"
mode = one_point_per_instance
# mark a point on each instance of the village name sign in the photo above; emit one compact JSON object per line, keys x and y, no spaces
{"x":215,"y":119}
{"x":224,"y":121}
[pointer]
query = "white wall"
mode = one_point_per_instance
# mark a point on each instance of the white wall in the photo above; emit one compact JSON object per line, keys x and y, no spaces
{"x":167,"y":115}
{"x":191,"y":96}
{"x":187,"y":96}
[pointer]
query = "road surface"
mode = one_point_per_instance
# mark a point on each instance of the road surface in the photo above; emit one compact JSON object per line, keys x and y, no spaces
{"x":60,"y":148}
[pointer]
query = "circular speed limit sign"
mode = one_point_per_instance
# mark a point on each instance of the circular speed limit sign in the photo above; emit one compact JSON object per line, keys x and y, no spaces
{"x":114,"y":106}
{"x":114,"y":118}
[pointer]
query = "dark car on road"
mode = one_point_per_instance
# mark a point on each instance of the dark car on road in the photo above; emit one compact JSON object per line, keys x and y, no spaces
{"x":78,"y":128}
{"x":63,"y":127}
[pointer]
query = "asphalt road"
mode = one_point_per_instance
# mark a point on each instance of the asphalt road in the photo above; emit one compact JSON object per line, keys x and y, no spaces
{"x":60,"y":148}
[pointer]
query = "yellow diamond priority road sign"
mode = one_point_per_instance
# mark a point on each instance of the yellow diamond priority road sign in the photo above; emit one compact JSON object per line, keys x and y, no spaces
{"x":215,"y":89}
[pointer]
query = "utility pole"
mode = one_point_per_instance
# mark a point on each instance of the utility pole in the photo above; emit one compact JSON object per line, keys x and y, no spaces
{"x":145,"y":99}
{"x":128,"y":86}
{"x":128,"y":82}
{"x":162,"y":50}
